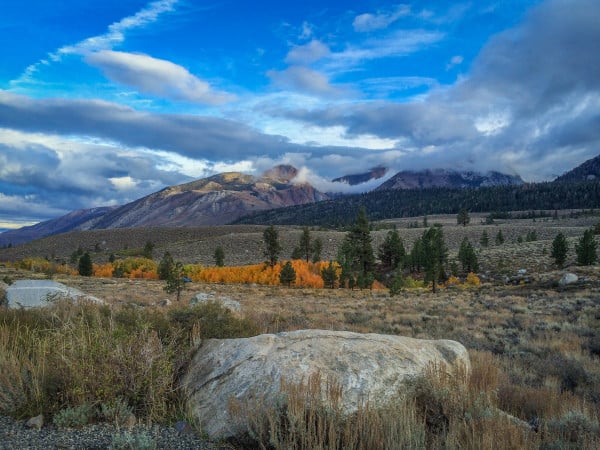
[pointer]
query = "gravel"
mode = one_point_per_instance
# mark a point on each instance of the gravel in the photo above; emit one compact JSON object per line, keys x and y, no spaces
{"x":14,"y":434}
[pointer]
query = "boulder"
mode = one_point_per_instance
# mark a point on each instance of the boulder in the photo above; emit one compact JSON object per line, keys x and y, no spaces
{"x":36,"y":293}
{"x":568,"y":278}
{"x":369,"y":367}
{"x":204,"y":297}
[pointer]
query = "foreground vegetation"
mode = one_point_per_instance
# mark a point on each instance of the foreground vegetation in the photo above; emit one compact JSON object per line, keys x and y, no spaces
{"x":534,"y":344}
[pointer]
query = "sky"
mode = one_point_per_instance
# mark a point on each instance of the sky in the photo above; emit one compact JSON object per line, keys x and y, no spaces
{"x":104,"y":102}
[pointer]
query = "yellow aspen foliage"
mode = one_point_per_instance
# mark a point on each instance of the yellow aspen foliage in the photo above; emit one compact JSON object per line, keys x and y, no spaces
{"x":472,"y":280}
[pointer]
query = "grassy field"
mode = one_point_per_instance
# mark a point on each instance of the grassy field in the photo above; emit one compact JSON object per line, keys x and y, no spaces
{"x":535,"y":347}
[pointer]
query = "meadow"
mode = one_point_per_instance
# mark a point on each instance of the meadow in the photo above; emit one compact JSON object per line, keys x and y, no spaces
{"x":534,"y":345}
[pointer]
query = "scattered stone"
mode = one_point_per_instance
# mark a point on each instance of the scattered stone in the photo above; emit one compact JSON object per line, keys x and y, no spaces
{"x":36,"y":293}
{"x":568,"y":278}
{"x":521,"y":271}
{"x":183,"y":427}
{"x":164,"y":302}
{"x":204,"y":297}
{"x":36,"y":422}
{"x":369,"y":367}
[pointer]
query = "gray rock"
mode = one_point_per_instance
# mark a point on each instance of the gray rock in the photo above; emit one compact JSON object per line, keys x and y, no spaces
{"x":36,"y":293}
{"x":164,"y":302}
{"x":568,"y":278}
{"x":367,"y":366}
{"x":204,"y":297}
{"x":36,"y":422}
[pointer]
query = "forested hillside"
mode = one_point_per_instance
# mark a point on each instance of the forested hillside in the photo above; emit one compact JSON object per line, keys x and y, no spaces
{"x":417,"y":202}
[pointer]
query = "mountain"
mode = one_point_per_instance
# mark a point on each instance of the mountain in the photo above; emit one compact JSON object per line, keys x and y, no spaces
{"x":443,"y":178}
{"x":216,"y":200}
{"x":81,"y":219}
{"x":359,"y":178}
{"x":589,"y":170}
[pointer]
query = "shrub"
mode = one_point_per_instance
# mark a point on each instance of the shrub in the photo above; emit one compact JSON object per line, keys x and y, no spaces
{"x":132,"y":441}
{"x":74,"y":417}
{"x":116,"y":411}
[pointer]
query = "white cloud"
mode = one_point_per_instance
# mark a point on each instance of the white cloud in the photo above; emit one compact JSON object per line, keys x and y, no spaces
{"x":155,"y":76}
{"x":308,"y":53}
{"x":115,"y":35}
{"x":456,"y":60}
{"x":370,"y":22}
{"x":304,"y":80}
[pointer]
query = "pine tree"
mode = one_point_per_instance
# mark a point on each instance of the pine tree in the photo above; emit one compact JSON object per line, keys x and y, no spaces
{"x":485,"y":240}
{"x":468,"y":257}
{"x":272,"y":246}
{"x":416,"y":259}
{"x":175,"y":283}
{"x":317,"y":248}
{"x":586,"y":249}
{"x":287,"y":275}
{"x":165,"y":267}
{"x":329,"y":275}
{"x":85,"y":266}
{"x":436,"y":255}
{"x":148,"y":249}
{"x":219,"y":256}
{"x":499,"y":238}
{"x":356,"y":254}
{"x":559,"y":249}
{"x":463,"y":217}
{"x":391,"y":251}
{"x":304,"y":249}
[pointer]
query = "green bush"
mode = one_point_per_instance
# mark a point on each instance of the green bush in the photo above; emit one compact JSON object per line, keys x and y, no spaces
{"x":132,"y":441}
{"x":75,"y":417}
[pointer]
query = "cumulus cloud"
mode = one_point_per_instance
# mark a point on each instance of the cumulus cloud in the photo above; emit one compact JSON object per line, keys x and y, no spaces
{"x":155,"y":76}
{"x":381,"y":19}
{"x":307,"y":53}
{"x":303,"y":79}
{"x":533,"y":93}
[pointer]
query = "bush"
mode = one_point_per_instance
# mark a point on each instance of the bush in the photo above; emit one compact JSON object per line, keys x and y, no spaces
{"x":74,"y":417}
{"x":116,"y":411}
{"x":132,"y":441}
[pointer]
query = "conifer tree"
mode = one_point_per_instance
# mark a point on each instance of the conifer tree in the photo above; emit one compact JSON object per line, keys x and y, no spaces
{"x":586,"y":249}
{"x":219,"y":256}
{"x":329,"y":275}
{"x":85,"y":266}
{"x":287,"y":275}
{"x":463,"y":217}
{"x":356,"y":254}
{"x":436,"y":255}
{"x":468,"y":257}
{"x":391,"y":251}
{"x":175,"y":282}
{"x":559,"y":249}
{"x":272,"y":246}
{"x":165,"y":267}
{"x":485,"y":240}
{"x":499,"y":238}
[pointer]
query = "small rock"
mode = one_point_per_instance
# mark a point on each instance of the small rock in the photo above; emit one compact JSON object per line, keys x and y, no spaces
{"x":183,"y":427}
{"x":36,"y":422}
{"x":568,"y":278}
{"x":203,"y":297}
{"x":522,"y":271}
{"x":165,"y":302}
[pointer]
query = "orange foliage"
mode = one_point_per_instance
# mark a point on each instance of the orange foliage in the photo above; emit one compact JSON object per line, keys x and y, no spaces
{"x":472,"y":280}
{"x":103,"y":270}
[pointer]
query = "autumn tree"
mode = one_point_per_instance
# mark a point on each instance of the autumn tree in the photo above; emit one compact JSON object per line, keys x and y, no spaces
{"x":463,"y":217}
{"x":356,"y":254}
{"x":436,"y":255}
{"x":329,"y":275}
{"x":586,"y":249}
{"x":272,"y":246}
{"x":391,"y":251}
{"x":219,"y":256}
{"x":287,"y":275}
{"x":559,"y":249}
{"x":175,"y":282}
{"x":85,"y":267}
{"x":468,"y":257}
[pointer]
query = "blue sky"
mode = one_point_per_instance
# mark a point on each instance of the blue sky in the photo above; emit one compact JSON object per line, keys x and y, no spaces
{"x":104,"y":102}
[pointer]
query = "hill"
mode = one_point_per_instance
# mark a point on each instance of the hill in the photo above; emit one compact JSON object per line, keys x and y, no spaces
{"x":443,"y":178}
{"x":589,"y":170}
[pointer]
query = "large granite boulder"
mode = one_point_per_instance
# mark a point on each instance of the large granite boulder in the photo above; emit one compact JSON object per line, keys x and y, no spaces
{"x":36,"y":293}
{"x":369,"y":367}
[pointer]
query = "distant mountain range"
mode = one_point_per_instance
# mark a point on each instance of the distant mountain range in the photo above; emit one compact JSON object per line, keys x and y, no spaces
{"x":222,"y":199}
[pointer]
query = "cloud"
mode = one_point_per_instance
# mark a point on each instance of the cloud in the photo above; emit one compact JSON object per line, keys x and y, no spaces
{"x":370,"y":22}
{"x":456,"y":60}
{"x":303,"y":79}
{"x":307,"y":53}
{"x":114,"y":36}
{"x":155,"y":76}
{"x":533,"y":92}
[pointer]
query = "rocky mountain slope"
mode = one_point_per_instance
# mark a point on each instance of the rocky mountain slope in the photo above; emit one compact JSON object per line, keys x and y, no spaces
{"x":589,"y":170}
{"x":216,"y":200}
{"x":448,"y":179}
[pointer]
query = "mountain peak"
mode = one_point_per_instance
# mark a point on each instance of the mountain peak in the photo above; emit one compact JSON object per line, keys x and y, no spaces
{"x":409,"y":179}
{"x":281,"y":172}
{"x":588,"y":170}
